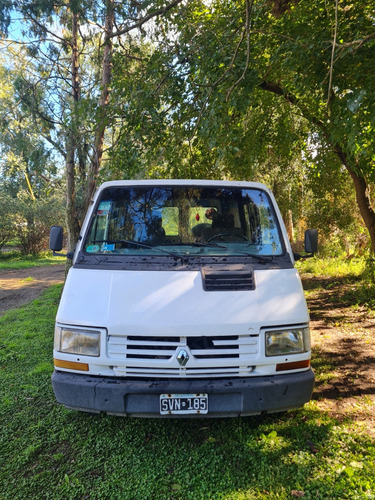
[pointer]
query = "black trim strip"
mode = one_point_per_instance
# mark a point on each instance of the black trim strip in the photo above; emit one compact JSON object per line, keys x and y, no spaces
{"x":183,"y":263}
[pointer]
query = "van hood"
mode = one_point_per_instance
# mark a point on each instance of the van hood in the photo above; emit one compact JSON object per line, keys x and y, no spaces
{"x":165,"y":303}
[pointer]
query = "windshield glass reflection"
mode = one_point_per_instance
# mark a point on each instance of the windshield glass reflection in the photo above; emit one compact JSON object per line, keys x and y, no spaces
{"x":183,"y":220}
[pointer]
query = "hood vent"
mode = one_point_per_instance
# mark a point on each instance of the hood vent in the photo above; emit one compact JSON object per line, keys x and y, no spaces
{"x":228,"y":278}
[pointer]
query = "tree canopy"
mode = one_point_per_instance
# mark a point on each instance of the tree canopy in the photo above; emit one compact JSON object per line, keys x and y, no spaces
{"x":280,"y":91}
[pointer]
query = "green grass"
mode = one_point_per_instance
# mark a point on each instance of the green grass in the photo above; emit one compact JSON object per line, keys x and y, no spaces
{"x":15,"y":260}
{"x":333,"y":267}
{"x":354,"y":279}
{"x":47,"y":451}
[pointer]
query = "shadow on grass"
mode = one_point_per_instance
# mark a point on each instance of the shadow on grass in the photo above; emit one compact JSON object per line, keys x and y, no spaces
{"x":47,"y":448}
{"x":137,"y":458}
{"x":345,"y":363}
{"x":341,"y":291}
{"x":249,"y":457}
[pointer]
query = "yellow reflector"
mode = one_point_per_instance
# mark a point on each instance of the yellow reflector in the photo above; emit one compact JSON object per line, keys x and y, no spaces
{"x":295,"y":365}
{"x":71,"y":365}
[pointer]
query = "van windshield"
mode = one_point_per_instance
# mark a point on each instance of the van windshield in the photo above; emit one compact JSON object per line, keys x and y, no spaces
{"x":183,"y":220}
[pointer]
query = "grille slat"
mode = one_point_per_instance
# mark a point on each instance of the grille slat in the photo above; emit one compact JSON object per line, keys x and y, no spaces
{"x":149,"y":352}
{"x":161,"y":364}
{"x":212,"y":352}
{"x":153,"y":343}
{"x":154,"y":353}
{"x":240,"y":341}
{"x":177,"y":373}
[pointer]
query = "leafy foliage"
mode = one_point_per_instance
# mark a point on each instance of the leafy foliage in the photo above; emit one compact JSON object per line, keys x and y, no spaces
{"x":251,"y":90}
{"x":26,"y":162}
{"x":6,"y":223}
{"x":276,"y":91}
{"x":32,"y":220}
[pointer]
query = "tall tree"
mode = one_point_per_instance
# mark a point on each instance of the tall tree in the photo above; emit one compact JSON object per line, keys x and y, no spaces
{"x":73,"y":42}
{"x":26,"y":161}
{"x":97,"y":155}
{"x":224,"y":62}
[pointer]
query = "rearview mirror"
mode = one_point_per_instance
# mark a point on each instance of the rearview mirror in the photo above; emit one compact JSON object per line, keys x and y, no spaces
{"x":56,"y":238}
{"x":311,"y":241}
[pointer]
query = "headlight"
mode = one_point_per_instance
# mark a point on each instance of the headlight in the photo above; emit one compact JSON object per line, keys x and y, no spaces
{"x":293,"y":341}
{"x":70,"y":341}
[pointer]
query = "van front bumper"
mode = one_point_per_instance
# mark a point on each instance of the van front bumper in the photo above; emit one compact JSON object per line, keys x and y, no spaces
{"x":226,"y":397}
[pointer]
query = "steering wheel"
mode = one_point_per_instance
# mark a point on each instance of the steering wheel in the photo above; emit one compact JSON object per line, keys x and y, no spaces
{"x":220,"y":235}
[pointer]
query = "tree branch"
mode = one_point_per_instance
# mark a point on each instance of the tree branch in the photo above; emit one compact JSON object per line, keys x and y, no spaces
{"x":42,"y":26}
{"x":333,"y":54}
{"x":249,"y":7}
{"x":147,"y":17}
{"x":217,"y":82}
{"x":274,"y":88}
{"x":355,"y":43}
{"x":54,"y":144}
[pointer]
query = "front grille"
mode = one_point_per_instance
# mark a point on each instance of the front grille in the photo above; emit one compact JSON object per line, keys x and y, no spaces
{"x":209,"y":356}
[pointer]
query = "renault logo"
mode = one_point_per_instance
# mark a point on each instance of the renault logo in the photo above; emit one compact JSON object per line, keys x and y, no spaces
{"x":183,"y":357}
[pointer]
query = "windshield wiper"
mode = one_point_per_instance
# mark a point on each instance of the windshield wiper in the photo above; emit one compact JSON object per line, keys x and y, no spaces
{"x":261,"y":258}
{"x":137,"y":244}
{"x":199,"y":244}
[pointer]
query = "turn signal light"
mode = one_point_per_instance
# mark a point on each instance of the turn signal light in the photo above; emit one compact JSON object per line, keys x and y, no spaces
{"x":295,"y":365}
{"x":71,"y":365}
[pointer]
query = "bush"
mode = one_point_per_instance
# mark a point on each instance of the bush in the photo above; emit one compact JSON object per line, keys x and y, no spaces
{"x":33,"y":220}
{"x":369,"y":272}
{"x":7,"y":209}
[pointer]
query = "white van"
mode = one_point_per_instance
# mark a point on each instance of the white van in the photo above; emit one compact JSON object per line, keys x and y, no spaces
{"x":182,"y":300}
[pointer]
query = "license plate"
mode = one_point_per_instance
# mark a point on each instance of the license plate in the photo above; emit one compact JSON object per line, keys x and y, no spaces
{"x":183,"y":404}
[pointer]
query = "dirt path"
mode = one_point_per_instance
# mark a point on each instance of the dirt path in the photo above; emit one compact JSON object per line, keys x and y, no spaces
{"x":19,"y":286}
{"x":343,"y":343}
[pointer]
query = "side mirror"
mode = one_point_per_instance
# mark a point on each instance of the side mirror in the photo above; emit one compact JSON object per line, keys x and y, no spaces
{"x":311,"y":245}
{"x":311,"y":241}
{"x":56,"y":237}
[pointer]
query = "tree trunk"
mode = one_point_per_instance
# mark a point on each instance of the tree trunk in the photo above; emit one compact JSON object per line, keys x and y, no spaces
{"x":71,"y":145}
{"x":362,"y":196}
{"x":70,"y":195}
{"x":103,"y":104}
{"x":360,"y":184}
{"x":364,"y":204}
{"x":289,"y":226}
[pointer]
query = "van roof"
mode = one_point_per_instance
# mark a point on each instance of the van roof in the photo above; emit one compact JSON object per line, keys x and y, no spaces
{"x":184,"y":182}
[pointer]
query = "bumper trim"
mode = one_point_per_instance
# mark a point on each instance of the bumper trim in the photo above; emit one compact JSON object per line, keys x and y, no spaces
{"x":228,"y":397}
